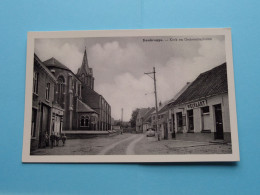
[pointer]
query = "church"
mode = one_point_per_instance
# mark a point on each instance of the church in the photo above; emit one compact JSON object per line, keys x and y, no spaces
{"x":68,"y":103}
{"x":84,"y":108}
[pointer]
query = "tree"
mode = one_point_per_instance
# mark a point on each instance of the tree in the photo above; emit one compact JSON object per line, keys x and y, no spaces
{"x":133,"y":117}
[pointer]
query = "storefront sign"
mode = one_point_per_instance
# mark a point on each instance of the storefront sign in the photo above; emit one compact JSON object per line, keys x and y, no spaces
{"x":197,"y":104}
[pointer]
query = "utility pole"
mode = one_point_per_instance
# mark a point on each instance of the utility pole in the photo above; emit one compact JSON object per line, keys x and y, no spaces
{"x":122,"y":113}
{"x":156,"y":105}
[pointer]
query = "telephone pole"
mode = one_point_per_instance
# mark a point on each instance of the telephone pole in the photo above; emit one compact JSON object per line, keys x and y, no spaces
{"x":122,"y":113}
{"x":156,"y":105}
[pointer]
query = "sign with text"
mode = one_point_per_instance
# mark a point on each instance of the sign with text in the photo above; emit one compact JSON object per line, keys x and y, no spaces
{"x":197,"y":104}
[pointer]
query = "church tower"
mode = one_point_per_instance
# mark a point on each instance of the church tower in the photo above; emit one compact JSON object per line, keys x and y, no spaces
{"x":85,"y":73}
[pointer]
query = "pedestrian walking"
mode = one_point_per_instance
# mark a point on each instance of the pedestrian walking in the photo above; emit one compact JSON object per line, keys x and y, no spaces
{"x":63,"y":138}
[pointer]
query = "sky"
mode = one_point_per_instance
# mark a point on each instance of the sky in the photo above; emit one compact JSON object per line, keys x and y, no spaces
{"x":119,"y":64}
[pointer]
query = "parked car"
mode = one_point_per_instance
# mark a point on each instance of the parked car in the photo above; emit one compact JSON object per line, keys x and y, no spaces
{"x":150,"y":132}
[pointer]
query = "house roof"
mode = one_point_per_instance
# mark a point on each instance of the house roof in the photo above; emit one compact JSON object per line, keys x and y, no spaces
{"x":83,"y":107}
{"x":179,"y":93}
{"x":161,"y":108}
{"x":142,"y":112}
{"x":52,"y":62}
{"x":207,"y":84}
{"x":44,"y":68}
{"x":148,"y":114}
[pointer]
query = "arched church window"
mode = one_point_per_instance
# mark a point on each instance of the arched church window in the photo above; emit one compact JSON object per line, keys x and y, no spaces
{"x":61,"y":90}
{"x":82,"y":121}
{"x":87,"y":121}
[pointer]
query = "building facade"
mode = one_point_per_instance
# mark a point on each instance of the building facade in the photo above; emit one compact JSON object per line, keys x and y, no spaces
{"x":47,"y":115}
{"x":140,"y":119}
{"x":204,"y":107}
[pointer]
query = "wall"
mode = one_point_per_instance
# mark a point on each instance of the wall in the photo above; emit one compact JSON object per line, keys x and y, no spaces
{"x":19,"y":17}
{"x":39,"y":100}
{"x":206,"y":123}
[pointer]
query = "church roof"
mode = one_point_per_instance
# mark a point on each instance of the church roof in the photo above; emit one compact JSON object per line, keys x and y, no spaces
{"x":83,"y":107}
{"x":91,"y":97}
{"x":52,"y":62}
{"x":207,"y":84}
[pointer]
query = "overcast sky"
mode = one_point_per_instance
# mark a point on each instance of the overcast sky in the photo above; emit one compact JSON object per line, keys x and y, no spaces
{"x":119,"y":65}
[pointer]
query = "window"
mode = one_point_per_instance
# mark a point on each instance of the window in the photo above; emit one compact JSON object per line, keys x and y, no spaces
{"x":79,"y":90}
{"x":205,"y":110}
{"x":75,"y":88}
{"x":35,"y":82}
{"x":84,"y":121}
{"x":61,"y":90}
{"x":47,"y":92}
{"x":33,"y":125}
{"x":190,"y":120}
{"x":179,"y":119}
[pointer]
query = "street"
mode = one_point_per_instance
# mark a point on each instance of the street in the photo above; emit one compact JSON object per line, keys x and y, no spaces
{"x":133,"y":144}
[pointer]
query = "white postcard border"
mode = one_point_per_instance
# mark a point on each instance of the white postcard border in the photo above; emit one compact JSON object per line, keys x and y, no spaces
{"x":27,"y":158}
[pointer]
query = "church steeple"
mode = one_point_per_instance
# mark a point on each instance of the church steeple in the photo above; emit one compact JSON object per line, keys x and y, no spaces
{"x":85,"y":61}
{"x":85,"y":73}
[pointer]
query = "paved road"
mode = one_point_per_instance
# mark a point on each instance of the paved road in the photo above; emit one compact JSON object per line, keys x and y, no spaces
{"x":128,"y":147}
{"x":116,"y":145}
{"x":134,"y":144}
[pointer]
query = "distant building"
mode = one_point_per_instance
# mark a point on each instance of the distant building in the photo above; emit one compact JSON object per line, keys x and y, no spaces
{"x":147,"y":120}
{"x":140,"y":119}
{"x":203,"y":107}
{"x":162,"y":119}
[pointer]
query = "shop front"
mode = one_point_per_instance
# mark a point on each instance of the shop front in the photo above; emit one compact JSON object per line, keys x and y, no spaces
{"x":57,"y":120}
{"x":207,"y":116}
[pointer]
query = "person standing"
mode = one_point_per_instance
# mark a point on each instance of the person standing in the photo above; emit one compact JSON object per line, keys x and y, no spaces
{"x":57,"y":139}
{"x":63,"y":138}
{"x":52,"y":138}
{"x":46,"y":139}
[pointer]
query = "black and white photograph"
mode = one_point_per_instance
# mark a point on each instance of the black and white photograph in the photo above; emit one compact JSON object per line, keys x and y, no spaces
{"x":130,"y":96}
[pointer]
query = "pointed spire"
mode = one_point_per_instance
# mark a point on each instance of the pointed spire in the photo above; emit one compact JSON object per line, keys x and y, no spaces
{"x":85,"y":60}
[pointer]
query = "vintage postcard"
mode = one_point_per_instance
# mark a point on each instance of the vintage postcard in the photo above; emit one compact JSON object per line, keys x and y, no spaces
{"x":122,"y":96}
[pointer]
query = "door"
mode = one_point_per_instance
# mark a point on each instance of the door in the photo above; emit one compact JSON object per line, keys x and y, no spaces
{"x":45,"y":125}
{"x":190,"y":121}
{"x":165,"y":131}
{"x":219,"y":122}
{"x":57,"y":125}
{"x":179,"y":121}
{"x":173,"y":126}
